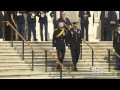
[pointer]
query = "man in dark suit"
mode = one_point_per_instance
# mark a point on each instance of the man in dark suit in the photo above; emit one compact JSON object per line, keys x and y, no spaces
{"x":74,"y":42}
{"x":60,"y":42}
{"x":43,"y":20}
{"x":112,"y":23}
{"x":7,"y":28}
{"x":20,"y":20}
{"x":53,"y":16}
{"x":64,"y":19}
{"x":1,"y":25}
{"x":104,"y":24}
{"x":84,"y":15}
{"x":31,"y":19}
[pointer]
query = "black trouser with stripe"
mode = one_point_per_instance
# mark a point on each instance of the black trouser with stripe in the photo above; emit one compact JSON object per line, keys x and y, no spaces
{"x":60,"y":54}
{"x":75,"y":55}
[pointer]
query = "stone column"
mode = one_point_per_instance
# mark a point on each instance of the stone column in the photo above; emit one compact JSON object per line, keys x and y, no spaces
{"x":91,"y":35}
{"x":50,"y":25}
{"x":57,"y":14}
{"x":37,"y":29}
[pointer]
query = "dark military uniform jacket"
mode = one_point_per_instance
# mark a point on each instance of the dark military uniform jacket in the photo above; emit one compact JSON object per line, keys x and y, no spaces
{"x":74,"y":38}
{"x":116,"y":40}
{"x":61,"y":41}
{"x":31,"y":17}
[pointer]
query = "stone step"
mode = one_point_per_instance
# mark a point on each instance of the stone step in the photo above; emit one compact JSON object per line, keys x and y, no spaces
{"x":57,"y":72}
{"x":66,"y":54}
{"x":67,"y":61}
{"x":69,"y":57}
{"x":68,"y":50}
{"x":38,"y":47}
{"x":50,"y":45}
{"x":77,"y":77}
{"x":43,"y":42}
{"x":8,"y":50}
{"x":42,"y":68}
{"x":54,"y":64}
{"x":3,"y":74}
{"x":80,"y":69}
{"x":58,"y":77}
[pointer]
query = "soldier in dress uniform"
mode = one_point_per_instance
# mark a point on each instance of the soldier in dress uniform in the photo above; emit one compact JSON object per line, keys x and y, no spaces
{"x":116,"y":46}
{"x":60,"y":42}
{"x":31,"y":19}
{"x":74,"y":44}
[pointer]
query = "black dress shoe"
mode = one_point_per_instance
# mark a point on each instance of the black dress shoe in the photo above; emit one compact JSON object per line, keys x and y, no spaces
{"x":35,"y":39}
{"x":117,"y":68}
{"x":75,"y":69}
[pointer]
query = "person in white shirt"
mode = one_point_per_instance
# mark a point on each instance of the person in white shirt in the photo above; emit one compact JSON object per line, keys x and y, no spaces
{"x":118,"y":16}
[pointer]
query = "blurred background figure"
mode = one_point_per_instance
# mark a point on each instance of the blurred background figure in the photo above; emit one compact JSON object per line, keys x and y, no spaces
{"x":104,"y":24}
{"x":84,"y":15}
{"x":112,"y":23}
{"x":20,"y":20}
{"x":53,"y":16}
{"x":64,"y":19}
{"x":43,"y":20}
{"x":31,"y":19}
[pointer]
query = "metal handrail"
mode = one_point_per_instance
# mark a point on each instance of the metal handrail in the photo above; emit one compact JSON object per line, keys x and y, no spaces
{"x":23,"y":42}
{"x":41,"y":48}
{"x":19,"y":34}
{"x":114,"y":53}
{"x":69,"y":74}
{"x":87,"y":44}
{"x":92,"y":51}
{"x":109,"y":57}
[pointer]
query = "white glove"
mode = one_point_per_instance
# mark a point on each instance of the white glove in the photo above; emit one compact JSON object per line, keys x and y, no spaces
{"x":42,"y":16}
{"x":66,"y":47}
{"x":18,"y":14}
{"x":33,"y":14}
{"x":54,"y":48}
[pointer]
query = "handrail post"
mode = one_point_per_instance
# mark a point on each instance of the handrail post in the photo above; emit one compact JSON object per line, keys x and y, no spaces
{"x":11,"y":37}
{"x":3,"y":31}
{"x":109,"y":60}
{"x":23,"y":50}
{"x":60,"y":72}
{"x":92,"y":57}
{"x":45,"y":60}
{"x":32,"y":60}
{"x":81,"y":52}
